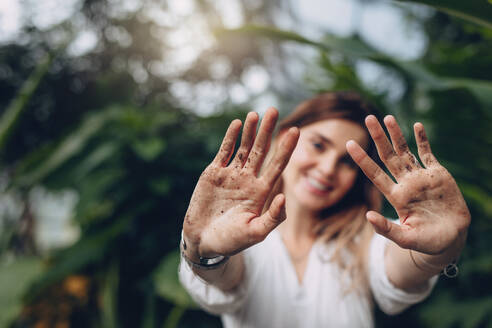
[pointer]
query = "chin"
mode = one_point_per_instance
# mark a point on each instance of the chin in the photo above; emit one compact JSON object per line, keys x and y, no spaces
{"x":316,"y":204}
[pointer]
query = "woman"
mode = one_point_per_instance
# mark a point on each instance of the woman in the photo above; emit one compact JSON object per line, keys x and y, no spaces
{"x":293,"y":245}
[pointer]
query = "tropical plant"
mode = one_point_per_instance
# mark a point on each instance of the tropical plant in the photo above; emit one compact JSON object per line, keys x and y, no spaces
{"x":133,"y":157}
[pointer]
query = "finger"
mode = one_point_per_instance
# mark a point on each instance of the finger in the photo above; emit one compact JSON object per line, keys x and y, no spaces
{"x":247,"y":139}
{"x":383,"y":146}
{"x":380,"y":179}
{"x":228,"y":143}
{"x":263,"y":225}
{"x":282,"y":156}
{"x":397,"y":233}
{"x":400,"y":144}
{"x":423,"y":145}
{"x":262,"y":141}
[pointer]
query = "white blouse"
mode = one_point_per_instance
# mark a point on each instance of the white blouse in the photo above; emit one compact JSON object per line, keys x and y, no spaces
{"x":270,"y":294}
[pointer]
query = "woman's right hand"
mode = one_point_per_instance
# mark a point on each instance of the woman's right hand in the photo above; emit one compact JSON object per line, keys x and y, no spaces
{"x":225,"y":212}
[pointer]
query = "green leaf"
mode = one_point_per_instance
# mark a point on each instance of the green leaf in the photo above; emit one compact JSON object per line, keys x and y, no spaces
{"x":90,"y":249}
{"x":478,"y":195}
{"x":448,"y":312}
{"x":173,"y":317}
{"x":148,"y":149}
{"x":95,"y":157}
{"x":110,"y":297}
{"x":355,"y":48}
{"x":480,"y":264}
{"x":482,"y":90}
{"x":161,"y":185}
{"x":476,"y":11}
{"x":18,"y":105}
{"x":15,"y":278}
{"x":167,"y":282}
{"x":31,"y":173}
{"x":349,"y":46}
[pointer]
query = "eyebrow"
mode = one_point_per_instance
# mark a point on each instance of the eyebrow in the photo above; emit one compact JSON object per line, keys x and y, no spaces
{"x":322,"y":137}
{"x":330,"y":142}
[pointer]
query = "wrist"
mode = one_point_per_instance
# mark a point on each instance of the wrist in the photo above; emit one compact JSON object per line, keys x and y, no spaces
{"x":435,"y":264}
{"x":190,"y":245}
{"x":192,"y":256}
{"x":427,"y":263}
{"x":451,"y":254}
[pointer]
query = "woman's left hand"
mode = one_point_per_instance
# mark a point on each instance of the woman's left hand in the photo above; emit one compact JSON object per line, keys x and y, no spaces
{"x":433,"y":215}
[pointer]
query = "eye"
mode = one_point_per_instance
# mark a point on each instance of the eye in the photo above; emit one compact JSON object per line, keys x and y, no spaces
{"x":317,"y":145}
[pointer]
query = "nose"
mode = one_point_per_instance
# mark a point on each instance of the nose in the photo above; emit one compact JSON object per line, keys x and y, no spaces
{"x":327,"y":165}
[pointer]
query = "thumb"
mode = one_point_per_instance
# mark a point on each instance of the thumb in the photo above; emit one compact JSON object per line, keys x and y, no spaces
{"x":277,"y":209}
{"x":275,"y":214}
{"x":387,"y":228}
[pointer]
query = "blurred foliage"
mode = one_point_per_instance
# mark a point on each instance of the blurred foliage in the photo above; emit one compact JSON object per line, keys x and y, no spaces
{"x":133,"y":153}
{"x":476,"y":11}
{"x":21,"y":271}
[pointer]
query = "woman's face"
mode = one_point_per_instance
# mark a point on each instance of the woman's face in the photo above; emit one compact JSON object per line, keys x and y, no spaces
{"x":320,"y":171}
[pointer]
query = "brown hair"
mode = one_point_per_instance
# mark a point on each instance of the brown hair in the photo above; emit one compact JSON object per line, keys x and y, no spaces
{"x":344,"y":223}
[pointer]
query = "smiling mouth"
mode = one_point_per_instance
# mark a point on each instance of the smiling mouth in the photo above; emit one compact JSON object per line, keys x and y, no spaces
{"x":317,"y":186}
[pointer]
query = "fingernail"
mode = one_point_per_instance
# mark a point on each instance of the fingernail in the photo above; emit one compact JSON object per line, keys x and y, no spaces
{"x":350,"y":142}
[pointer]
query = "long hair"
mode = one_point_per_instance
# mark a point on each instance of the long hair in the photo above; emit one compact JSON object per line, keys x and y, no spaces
{"x":343,"y":224}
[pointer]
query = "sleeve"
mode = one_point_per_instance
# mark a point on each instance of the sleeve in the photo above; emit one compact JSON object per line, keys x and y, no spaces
{"x":209,"y":297}
{"x":390,"y":299}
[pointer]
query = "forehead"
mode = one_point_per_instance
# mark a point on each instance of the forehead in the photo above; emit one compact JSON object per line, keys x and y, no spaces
{"x":338,"y":131}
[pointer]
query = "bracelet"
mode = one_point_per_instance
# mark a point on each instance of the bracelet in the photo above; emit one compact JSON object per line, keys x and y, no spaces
{"x":450,"y":270}
{"x":205,"y":263}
